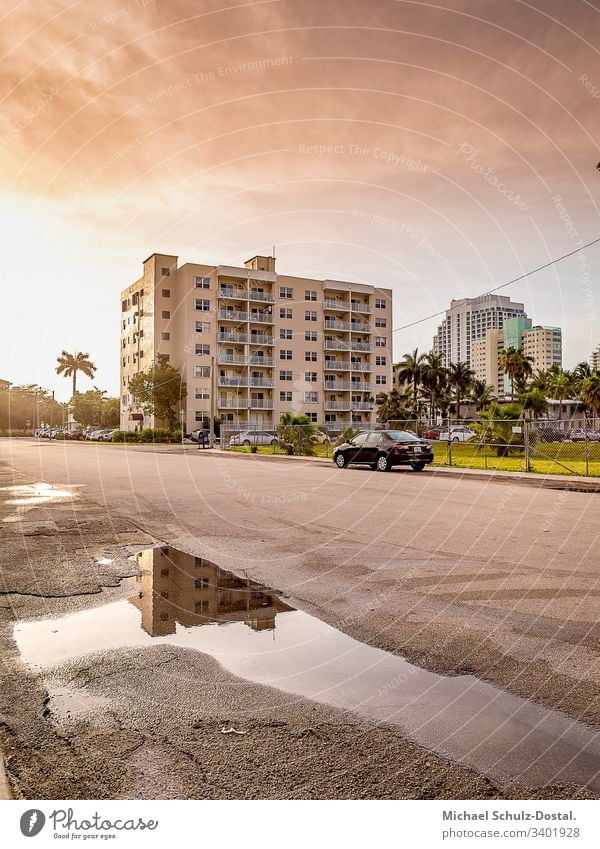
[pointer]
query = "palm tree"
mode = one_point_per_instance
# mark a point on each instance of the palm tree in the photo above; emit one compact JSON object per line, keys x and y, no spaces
{"x":433,"y":381}
{"x":460,"y":378}
{"x":70,"y":364}
{"x":516,"y":365}
{"x":482,"y":395}
{"x":560,"y":387}
{"x":392,"y":406}
{"x":409,"y":370}
{"x":590,"y":392}
{"x":534,"y":402}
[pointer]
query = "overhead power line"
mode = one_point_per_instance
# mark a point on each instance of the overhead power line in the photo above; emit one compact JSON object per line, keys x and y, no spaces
{"x":504,"y":285}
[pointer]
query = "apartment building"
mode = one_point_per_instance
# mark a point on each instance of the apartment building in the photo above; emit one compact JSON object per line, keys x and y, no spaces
{"x":595,"y":359}
{"x":544,"y":346}
{"x":469,"y":319}
{"x":485,"y":360}
{"x":258,"y":342}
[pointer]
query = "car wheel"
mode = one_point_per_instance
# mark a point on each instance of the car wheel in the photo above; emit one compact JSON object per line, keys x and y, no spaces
{"x":455,"y":439}
{"x":340,"y":461}
{"x":246,"y":442}
{"x":273,"y":442}
{"x":417,"y":467}
{"x":382,"y":464}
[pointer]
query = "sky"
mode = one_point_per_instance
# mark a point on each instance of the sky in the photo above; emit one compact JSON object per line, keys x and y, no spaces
{"x":439,"y":149}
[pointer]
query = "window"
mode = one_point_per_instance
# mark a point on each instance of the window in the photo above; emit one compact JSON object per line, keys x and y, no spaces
{"x":285,"y":312}
{"x":285,"y":396}
{"x":311,"y":397}
{"x":166,"y":314}
{"x":310,"y":315}
{"x":202,"y":394}
{"x":285,"y":354}
{"x":310,"y":356}
{"x":284,"y":292}
{"x":310,"y":295}
{"x":198,"y":562}
{"x":203,"y":327}
{"x":202,"y":349}
{"x":201,"y":606}
{"x":310,"y":335}
{"x":381,"y":361}
{"x":165,"y":336}
{"x":202,"y":282}
{"x":380,"y":322}
{"x":285,"y":375}
{"x":124,"y":399}
{"x":201,"y":584}
{"x":313,"y":417}
{"x":381,"y":379}
{"x":202,"y":371}
{"x":330,"y":418}
{"x":202,"y":305}
{"x":284,"y":333}
{"x":164,"y":573}
{"x":166,"y":293}
{"x":380,"y":342}
{"x":166,"y":272}
{"x":166,"y":356}
{"x":380,"y":303}
{"x":310,"y":376}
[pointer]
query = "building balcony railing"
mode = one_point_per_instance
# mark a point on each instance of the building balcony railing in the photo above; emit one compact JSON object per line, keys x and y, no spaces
{"x":233,"y":293}
{"x":232,"y":381}
{"x":242,"y":360}
{"x":232,"y":315}
{"x":360,"y":346}
{"x":334,"y":324}
{"x":337,"y":385}
{"x":232,"y":336}
{"x":262,"y":317}
{"x":262,"y":382}
{"x":361,"y":387}
{"x":360,"y":307}
{"x":267,"y":297}
{"x":360,"y":327}
{"x":259,"y":339}
{"x":339,"y":345}
{"x":261,"y":404}
{"x":341,"y":406}
{"x":336,"y":304}
{"x":361,"y":405}
{"x":336,"y":365}
{"x":233,"y":403}
{"x":360,"y":366}
{"x":244,"y":382}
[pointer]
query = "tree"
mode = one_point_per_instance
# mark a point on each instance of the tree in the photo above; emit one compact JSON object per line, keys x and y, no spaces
{"x":560,"y":387}
{"x":159,"y":390}
{"x":496,"y":427}
{"x":30,"y":403}
{"x":297,"y":431}
{"x":534,"y":402}
{"x":460,"y":377}
{"x":410,"y":371}
{"x":433,"y":381}
{"x":516,"y":365}
{"x":70,"y":364}
{"x":392,"y":406}
{"x":111,"y":412}
{"x":94,"y":409}
{"x":590,"y":392}
{"x":481,"y":395}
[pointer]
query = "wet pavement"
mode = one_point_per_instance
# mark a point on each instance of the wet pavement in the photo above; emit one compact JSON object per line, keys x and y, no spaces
{"x":190,"y":603}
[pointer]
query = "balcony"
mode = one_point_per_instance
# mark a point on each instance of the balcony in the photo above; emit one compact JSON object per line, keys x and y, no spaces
{"x":244,"y":382}
{"x":334,"y":324}
{"x":360,"y":346}
{"x":232,"y":315}
{"x":337,"y":406}
{"x":337,"y":385}
{"x":261,"y":404}
{"x":362,"y":405}
{"x":266,"y":297}
{"x":357,"y":306}
{"x":336,"y":304}
{"x":262,"y":317}
{"x":336,"y":365}
{"x":225,"y":336}
{"x":259,"y":339}
{"x":361,"y":387}
{"x":232,"y":381}
{"x":233,"y":403}
{"x":359,"y":327}
{"x":262,"y":382}
{"x":360,"y":366}
{"x":242,"y":360}
{"x":335,"y":345}
{"x":232,"y":293}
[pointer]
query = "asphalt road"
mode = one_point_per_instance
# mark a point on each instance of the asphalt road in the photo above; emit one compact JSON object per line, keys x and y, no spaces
{"x":457,"y":575}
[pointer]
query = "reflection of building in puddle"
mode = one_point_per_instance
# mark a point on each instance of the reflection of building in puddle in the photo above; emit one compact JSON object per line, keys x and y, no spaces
{"x":177,"y":587}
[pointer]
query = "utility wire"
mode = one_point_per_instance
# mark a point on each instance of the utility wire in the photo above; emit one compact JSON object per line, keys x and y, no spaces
{"x":503,"y":285}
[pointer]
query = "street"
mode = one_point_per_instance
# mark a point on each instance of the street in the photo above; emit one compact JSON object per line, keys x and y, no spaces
{"x":459,"y":577}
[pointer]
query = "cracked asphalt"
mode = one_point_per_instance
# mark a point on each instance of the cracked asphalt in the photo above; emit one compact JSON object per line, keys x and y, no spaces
{"x":494,"y":580}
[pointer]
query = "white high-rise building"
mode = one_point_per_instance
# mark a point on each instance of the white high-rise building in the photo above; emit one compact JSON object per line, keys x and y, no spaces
{"x":595,"y":359}
{"x":469,"y":319}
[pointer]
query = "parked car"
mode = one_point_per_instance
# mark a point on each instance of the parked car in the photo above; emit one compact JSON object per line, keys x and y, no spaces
{"x":253,"y":437}
{"x":458,"y":433}
{"x":107,"y":435}
{"x":383,"y":449}
{"x":578,"y":434}
{"x":94,"y":435}
{"x":320,"y":438}
{"x":433,"y":433}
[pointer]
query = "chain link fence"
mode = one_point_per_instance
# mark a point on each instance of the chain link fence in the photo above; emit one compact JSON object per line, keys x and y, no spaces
{"x":546,"y":446}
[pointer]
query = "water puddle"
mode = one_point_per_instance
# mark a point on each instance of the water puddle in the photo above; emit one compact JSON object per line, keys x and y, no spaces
{"x":191,"y":603}
{"x":66,"y":702}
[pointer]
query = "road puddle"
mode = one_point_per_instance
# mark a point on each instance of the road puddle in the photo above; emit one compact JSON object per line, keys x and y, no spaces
{"x":190,"y":603}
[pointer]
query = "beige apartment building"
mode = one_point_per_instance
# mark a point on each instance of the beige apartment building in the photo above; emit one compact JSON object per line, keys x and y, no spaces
{"x":544,"y":346}
{"x":259,"y":342}
{"x":485,"y":360}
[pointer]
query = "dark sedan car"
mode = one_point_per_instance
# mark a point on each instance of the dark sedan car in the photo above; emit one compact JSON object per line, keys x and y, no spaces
{"x":382,"y":449}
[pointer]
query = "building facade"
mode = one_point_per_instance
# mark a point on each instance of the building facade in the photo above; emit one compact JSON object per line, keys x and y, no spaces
{"x":485,"y":360}
{"x":595,"y":359}
{"x":253,"y":343}
{"x":469,"y":319}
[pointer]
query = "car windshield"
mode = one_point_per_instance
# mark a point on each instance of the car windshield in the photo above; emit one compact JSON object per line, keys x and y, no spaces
{"x":401,"y":435}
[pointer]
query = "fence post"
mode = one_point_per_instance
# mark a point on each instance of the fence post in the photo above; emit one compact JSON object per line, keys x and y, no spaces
{"x":586,"y":442}
{"x":526,"y":441}
{"x":449,"y":441}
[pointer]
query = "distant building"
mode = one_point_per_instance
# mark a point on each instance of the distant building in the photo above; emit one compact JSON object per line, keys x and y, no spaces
{"x":485,"y":360}
{"x":469,"y":319}
{"x":595,"y":359}
{"x":4,"y":384}
{"x":544,"y":346}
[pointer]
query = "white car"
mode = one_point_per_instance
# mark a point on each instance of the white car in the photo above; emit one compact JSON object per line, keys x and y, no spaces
{"x":459,"y":433}
{"x":253,"y":437}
